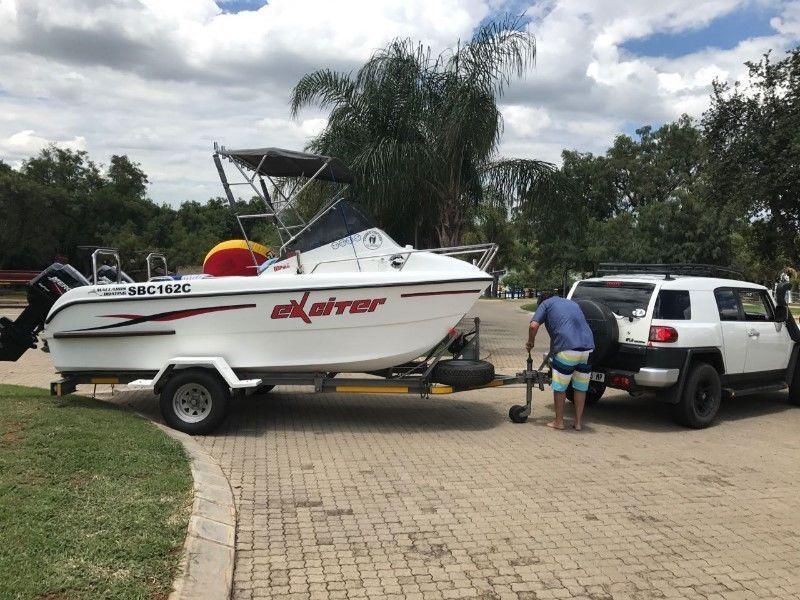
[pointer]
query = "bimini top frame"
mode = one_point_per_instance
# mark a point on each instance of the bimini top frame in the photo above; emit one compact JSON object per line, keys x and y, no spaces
{"x":277,"y":163}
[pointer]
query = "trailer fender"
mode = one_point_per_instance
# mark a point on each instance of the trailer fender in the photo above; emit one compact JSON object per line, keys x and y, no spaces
{"x":215,"y":363}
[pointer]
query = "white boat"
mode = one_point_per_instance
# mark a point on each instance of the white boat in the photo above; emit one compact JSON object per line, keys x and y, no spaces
{"x":340,"y":296}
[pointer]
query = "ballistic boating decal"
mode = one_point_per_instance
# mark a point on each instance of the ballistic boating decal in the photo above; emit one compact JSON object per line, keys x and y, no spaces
{"x":331,"y":307}
{"x":443,"y":293}
{"x":171,"y":315}
{"x":108,"y":290}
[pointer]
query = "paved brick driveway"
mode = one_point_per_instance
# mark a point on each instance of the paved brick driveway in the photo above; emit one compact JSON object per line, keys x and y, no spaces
{"x":400,"y":497}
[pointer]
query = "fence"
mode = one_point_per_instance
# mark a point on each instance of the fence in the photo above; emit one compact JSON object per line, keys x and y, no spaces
{"x":16,"y":277}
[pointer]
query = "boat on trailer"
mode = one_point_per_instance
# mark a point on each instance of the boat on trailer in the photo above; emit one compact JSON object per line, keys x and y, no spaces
{"x":339,"y":296}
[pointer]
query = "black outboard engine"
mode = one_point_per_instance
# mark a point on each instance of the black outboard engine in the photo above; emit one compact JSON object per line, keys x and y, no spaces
{"x":43,"y":291}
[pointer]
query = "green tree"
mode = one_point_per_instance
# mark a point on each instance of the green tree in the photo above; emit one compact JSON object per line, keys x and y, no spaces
{"x":753,"y":134}
{"x":60,"y":200}
{"x":421,"y":131}
{"x":127,"y":178}
{"x":644,"y":200}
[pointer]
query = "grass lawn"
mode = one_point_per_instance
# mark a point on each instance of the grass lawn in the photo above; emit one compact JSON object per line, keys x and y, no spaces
{"x":531,"y":307}
{"x":94,"y":501}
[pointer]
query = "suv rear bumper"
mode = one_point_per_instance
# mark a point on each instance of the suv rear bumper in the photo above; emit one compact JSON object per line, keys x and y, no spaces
{"x":644,"y":368}
{"x":656,"y":377}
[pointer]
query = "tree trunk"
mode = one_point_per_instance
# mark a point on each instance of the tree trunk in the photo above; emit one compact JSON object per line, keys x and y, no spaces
{"x":451,"y":222}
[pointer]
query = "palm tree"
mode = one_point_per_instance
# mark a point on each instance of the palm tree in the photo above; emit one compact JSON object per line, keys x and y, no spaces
{"x":421,"y":131}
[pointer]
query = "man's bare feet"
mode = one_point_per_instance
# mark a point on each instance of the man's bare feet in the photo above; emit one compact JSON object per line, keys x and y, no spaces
{"x":554,"y":425}
{"x":577,"y":426}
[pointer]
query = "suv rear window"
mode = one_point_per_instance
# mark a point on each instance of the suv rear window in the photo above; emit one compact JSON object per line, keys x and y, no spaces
{"x":620,"y":296}
{"x":673,"y":305}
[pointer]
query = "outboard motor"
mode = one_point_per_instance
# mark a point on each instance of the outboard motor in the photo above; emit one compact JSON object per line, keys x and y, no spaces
{"x":43,"y":291}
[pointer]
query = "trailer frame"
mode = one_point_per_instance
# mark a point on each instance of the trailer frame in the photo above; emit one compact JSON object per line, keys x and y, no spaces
{"x":412,"y":378}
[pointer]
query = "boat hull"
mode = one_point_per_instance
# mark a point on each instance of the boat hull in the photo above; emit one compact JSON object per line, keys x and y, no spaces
{"x":287,"y":324}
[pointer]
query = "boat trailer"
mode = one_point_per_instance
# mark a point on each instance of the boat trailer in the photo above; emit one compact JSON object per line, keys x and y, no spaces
{"x":413,"y":378}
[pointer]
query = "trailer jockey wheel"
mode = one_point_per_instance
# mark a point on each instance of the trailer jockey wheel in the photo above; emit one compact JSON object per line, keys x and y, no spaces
{"x":194,"y":401}
{"x":518,"y":413}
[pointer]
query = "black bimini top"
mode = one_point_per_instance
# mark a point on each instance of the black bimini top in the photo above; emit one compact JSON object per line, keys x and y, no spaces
{"x":277,"y":162}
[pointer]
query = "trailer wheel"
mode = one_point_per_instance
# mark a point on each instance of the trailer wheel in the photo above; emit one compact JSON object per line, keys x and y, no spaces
{"x":517,"y":413}
{"x":462,"y":373}
{"x":194,"y":401}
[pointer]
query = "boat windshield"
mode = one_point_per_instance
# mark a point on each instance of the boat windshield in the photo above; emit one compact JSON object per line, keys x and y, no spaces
{"x":341,"y":220}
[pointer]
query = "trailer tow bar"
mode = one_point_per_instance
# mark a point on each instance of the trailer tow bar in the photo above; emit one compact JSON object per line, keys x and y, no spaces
{"x":530,"y":377}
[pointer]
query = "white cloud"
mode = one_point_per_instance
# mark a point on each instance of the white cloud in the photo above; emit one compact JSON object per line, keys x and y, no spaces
{"x":593,"y":88}
{"x":524,"y":121}
{"x":25,"y":143}
{"x":162,"y":80}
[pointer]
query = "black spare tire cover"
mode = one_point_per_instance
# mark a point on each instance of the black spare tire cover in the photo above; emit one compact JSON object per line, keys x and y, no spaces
{"x":463,"y":373}
{"x":604,"y":328}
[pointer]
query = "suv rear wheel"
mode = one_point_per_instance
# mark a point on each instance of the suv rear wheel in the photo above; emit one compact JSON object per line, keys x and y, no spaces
{"x":593,"y":395}
{"x":702,"y":395}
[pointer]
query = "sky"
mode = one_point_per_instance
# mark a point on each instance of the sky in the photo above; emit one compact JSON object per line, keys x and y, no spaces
{"x":162,"y":80}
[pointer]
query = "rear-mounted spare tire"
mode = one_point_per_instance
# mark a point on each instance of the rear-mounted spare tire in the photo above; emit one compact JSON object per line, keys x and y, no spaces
{"x":462,"y":373}
{"x":604,"y":328}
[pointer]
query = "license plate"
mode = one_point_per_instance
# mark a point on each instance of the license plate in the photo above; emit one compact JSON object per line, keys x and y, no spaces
{"x":597,"y":376}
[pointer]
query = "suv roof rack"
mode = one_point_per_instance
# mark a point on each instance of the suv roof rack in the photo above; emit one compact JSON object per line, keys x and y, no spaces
{"x":668,"y":270}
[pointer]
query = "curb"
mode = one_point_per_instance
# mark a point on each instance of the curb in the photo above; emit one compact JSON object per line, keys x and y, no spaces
{"x":206,"y":567}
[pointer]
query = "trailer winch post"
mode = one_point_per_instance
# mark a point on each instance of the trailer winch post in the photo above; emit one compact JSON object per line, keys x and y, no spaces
{"x":472,"y":349}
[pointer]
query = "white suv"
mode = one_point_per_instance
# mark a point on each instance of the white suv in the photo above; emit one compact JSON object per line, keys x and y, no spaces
{"x":688,"y":335}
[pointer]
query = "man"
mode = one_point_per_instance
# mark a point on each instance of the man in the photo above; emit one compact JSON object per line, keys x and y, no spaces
{"x":571,"y":341}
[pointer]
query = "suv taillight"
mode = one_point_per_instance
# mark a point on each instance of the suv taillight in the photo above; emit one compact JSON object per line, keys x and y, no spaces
{"x":662,"y":333}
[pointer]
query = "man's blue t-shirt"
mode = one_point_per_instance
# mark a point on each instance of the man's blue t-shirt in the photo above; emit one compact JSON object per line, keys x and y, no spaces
{"x":565,"y":323}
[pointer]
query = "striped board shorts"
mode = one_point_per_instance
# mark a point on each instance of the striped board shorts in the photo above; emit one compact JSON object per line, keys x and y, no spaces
{"x":571,"y":365}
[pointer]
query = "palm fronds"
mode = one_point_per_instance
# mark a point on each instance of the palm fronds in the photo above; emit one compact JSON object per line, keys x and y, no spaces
{"x":420,"y":130}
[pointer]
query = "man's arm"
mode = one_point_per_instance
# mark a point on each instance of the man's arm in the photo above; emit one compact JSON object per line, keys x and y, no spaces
{"x":536,"y":322}
{"x":532,"y":330}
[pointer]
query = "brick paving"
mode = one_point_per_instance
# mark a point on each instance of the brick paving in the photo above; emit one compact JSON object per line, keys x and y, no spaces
{"x":403,"y":497}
